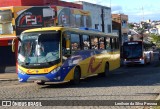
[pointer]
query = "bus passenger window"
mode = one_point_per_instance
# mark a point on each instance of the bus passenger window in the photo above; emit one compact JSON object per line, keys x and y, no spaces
{"x":108,"y":47}
{"x":101,"y":42}
{"x":113,"y":43}
{"x":117,"y":43}
{"x":66,"y":44}
{"x":75,"y":42}
{"x":94,"y":42}
{"x":86,"y":43}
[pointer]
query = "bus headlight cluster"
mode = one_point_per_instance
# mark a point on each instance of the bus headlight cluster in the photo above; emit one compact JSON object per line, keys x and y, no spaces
{"x":21,"y":72}
{"x":55,"y":70}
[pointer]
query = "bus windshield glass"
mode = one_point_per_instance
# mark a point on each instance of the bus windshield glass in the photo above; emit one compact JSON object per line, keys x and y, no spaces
{"x":36,"y":48}
{"x":131,"y":51}
{"x":6,"y":22}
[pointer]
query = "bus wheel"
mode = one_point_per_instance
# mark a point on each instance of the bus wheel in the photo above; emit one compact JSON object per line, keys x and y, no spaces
{"x":106,"y":70}
{"x":77,"y":76}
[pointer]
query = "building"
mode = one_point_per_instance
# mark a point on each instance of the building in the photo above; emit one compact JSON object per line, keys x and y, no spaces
{"x":120,"y":22}
{"x":154,"y":30}
{"x":133,"y":35}
{"x":19,"y":15}
{"x":158,"y":29}
{"x":4,"y":3}
{"x":100,"y":15}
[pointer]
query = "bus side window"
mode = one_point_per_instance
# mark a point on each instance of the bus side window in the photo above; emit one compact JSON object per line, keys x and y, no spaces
{"x":117,"y":43}
{"x":75,"y":42}
{"x":94,"y":42}
{"x":86,"y":42}
{"x":63,"y":45}
{"x":112,"y":43}
{"x":101,"y":43}
{"x":107,"y":43}
{"x":66,"y":45}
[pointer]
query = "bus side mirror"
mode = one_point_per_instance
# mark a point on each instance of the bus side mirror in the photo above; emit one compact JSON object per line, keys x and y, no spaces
{"x":14,"y":41}
{"x":67,"y":44}
{"x":13,"y":44}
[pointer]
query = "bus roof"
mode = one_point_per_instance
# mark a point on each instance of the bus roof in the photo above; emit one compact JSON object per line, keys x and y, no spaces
{"x":74,"y":30}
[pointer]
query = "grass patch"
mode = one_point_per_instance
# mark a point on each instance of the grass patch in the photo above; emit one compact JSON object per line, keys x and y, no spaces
{"x":157,"y":107}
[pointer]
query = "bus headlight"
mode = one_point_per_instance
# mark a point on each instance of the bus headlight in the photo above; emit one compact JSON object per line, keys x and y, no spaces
{"x":21,"y":72}
{"x":55,"y":70}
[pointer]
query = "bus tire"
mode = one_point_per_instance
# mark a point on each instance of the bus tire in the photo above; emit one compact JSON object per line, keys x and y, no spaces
{"x":76,"y":76}
{"x":106,"y":70}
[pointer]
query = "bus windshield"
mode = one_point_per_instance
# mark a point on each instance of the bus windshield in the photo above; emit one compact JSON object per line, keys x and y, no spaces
{"x":132,"y":51}
{"x":36,"y":48}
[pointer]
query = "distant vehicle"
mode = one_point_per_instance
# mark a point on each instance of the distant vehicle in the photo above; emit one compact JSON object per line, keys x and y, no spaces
{"x":137,"y":52}
{"x":70,"y":54}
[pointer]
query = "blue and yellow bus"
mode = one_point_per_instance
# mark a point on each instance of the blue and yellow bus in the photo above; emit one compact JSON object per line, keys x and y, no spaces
{"x":56,"y":54}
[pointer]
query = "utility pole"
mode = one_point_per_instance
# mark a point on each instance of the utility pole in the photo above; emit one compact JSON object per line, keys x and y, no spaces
{"x":102,"y":16}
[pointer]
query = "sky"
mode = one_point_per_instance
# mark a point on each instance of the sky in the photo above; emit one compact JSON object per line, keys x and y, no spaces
{"x":137,"y":10}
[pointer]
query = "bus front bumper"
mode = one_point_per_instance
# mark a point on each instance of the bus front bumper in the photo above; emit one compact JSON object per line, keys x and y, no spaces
{"x":43,"y":77}
{"x":133,"y":62}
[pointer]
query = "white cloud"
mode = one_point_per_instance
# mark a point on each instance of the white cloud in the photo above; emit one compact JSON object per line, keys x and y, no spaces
{"x":148,"y":12}
{"x":134,"y":12}
{"x":116,"y":9}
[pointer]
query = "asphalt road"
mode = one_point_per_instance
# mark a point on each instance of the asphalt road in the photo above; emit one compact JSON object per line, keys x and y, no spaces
{"x":126,"y":83}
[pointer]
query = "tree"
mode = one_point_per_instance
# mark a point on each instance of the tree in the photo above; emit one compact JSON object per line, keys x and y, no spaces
{"x":130,"y":25}
{"x":155,"y":39}
{"x":141,"y":32}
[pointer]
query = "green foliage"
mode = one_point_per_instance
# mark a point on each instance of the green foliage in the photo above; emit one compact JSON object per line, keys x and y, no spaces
{"x":140,"y":30}
{"x":155,"y":39}
{"x":130,"y":26}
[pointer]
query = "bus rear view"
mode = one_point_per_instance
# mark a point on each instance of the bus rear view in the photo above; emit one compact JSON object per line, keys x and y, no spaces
{"x":135,"y":52}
